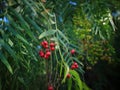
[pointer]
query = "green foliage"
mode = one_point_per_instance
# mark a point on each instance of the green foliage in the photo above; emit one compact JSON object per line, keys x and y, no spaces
{"x":30,"y":22}
{"x":25,"y":24}
{"x":94,"y":47}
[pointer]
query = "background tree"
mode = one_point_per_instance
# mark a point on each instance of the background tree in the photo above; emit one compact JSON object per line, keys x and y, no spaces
{"x":82,"y":33}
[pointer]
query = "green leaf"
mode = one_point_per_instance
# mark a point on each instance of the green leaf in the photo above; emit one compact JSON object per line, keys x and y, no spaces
{"x":22,"y":39}
{"x":66,"y":71}
{"x":8,"y":48}
{"x":10,"y":42}
{"x":47,"y":33}
{"x":85,"y":87}
{"x":19,"y":17}
{"x":77,"y":79}
{"x":18,"y":35}
{"x":33,"y":23}
{"x":32,"y":53}
{"x":23,"y":25}
{"x":63,"y":36}
{"x":100,"y":33}
{"x":6,"y":63}
{"x":62,"y":42}
{"x":69,"y":82}
{"x":21,"y":80}
{"x":67,"y":56}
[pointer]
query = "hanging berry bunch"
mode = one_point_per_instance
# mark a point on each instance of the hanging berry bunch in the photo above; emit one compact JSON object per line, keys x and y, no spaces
{"x":46,"y":50}
{"x":74,"y":65}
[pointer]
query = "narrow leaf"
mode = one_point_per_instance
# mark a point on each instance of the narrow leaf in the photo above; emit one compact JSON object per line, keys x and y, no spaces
{"x":69,"y":82}
{"x":77,"y":79}
{"x":66,"y":71}
{"x":47,"y":33}
{"x":8,"y":48}
{"x":6,"y":63}
{"x":62,"y":35}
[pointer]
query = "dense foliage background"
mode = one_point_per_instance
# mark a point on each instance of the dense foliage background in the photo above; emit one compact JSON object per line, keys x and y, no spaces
{"x":85,"y":32}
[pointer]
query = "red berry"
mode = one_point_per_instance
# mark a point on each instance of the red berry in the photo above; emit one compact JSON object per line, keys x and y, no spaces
{"x":72,"y":51}
{"x":52,"y":44}
{"x":75,"y":64}
{"x":50,"y":88}
{"x":68,"y":75}
{"x":73,"y":67}
{"x":48,"y":53}
{"x":45,"y":46}
{"x":41,"y":53}
{"x":45,"y":42}
{"x":46,"y":57}
{"x":42,"y":43}
{"x":52,"y":48}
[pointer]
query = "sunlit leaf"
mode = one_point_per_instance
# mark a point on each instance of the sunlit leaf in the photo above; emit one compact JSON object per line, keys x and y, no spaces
{"x":47,"y":33}
{"x":66,"y":71}
{"x":77,"y":79}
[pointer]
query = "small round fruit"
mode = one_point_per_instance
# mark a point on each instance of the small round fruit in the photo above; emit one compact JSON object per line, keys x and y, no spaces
{"x":41,"y":53}
{"x":68,"y":75}
{"x":42,"y":43}
{"x":73,"y":67}
{"x":52,"y":48}
{"x":45,"y":46}
{"x":48,"y":53}
{"x":46,"y":57}
{"x":45,"y":42}
{"x":75,"y":64}
{"x":50,"y":88}
{"x":52,"y":44}
{"x":72,"y":51}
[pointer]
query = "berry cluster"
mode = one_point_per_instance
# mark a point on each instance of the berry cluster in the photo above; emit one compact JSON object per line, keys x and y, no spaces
{"x":47,"y":48}
{"x":74,"y":65}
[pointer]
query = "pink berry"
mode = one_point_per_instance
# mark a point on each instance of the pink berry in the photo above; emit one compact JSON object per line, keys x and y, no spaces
{"x":41,"y":53}
{"x":52,"y":44}
{"x":72,"y":51}
{"x":45,"y":46}
{"x":75,"y":64}
{"x":42,"y":43}
{"x":52,"y":48}
{"x":45,"y":42}
{"x":46,"y":57}
{"x":73,"y":67}
{"x":48,"y":53}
